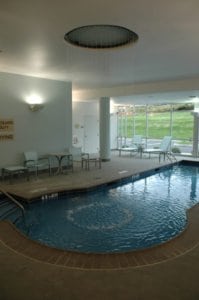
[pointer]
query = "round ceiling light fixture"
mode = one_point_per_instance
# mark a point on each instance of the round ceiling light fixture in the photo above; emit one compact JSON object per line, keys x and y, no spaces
{"x":101,"y":36}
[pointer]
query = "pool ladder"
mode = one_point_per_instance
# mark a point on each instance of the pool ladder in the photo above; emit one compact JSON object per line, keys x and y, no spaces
{"x":9,"y":206}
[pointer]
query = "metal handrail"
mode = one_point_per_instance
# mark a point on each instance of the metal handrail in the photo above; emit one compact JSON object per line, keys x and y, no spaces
{"x":13,"y":200}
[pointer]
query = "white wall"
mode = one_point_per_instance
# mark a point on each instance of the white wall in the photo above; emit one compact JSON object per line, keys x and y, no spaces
{"x":83,"y":111}
{"x":146,"y":88}
{"x":44,"y":131}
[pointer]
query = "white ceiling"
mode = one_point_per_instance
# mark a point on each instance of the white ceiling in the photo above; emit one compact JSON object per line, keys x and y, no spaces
{"x":32,"y":42}
{"x":157,"y":98}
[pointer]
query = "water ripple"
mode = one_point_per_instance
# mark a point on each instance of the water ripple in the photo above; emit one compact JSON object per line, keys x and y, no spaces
{"x":132,"y":216}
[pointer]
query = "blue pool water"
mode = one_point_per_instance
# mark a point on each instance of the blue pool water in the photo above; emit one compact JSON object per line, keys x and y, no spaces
{"x":134,"y":215}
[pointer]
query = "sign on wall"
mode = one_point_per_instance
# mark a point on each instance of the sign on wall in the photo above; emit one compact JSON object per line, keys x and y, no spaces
{"x":6,"y":129}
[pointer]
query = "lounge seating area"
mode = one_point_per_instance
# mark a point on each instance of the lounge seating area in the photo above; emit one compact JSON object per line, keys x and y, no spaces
{"x":116,"y":168}
{"x":83,"y":158}
{"x":55,"y":163}
{"x":73,"y":158}
{"x":34,"y":163}
{"x":162,"y":150}
{"x":78,"y":156}
{"x":11,"y":171}
{"x":135,"y":146}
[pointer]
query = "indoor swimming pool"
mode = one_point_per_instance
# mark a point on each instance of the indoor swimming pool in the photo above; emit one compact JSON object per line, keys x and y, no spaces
{"x":147,"y":210}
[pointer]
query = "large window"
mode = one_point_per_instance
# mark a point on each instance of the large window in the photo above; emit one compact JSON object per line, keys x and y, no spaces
{"x":182,"y":129}
{"x":159,"y":118}
{"x":140,"y":120}
{"x":182,"y":125}
{"x":153,"y":122}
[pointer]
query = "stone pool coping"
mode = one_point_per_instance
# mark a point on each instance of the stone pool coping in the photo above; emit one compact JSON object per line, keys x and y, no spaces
{"x":12,"y":238}
{"x":79,"y":182}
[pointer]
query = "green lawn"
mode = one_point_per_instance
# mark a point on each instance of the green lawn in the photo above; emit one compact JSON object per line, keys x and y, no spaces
{"x":159,"y":125}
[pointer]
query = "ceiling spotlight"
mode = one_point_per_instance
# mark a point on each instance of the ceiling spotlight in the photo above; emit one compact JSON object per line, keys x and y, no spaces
{"x":101,"y":36}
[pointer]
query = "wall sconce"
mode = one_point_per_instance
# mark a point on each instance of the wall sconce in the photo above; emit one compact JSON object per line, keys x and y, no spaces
{"x":35,"y":107}
{"x":35,"y":102}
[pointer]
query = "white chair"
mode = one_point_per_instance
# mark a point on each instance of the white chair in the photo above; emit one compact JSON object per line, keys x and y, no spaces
{"x":92,"y":158}
{"x":35,"y":163}
{"x":164,"y":148}
{"x":78,"y":156}
{"x":135,"y":146}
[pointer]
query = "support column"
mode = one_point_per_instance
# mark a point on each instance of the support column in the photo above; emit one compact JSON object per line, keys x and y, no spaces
{"x":105,"y":128}
{"x":195,"y":133}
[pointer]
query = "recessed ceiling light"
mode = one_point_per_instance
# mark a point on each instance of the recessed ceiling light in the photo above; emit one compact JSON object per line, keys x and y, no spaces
{"x":101,"y":36}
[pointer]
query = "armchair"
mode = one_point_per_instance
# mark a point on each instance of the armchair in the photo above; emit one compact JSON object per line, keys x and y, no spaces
{"x":35,"y":163}
{"x":78,"y":156}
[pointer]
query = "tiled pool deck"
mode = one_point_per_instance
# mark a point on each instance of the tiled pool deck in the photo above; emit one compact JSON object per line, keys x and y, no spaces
{"x":19,"y":255}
